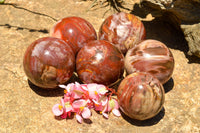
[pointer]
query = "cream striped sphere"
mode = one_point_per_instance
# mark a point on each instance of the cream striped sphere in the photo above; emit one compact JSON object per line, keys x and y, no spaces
{"x":141,"y":96}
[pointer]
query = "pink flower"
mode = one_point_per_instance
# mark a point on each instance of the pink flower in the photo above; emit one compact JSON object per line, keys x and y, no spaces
{"x":75,"y":91}
{"x":96,"y":91}
{"x":101,"y":103}
{"x":67,"y":110}
{"x":80,"y":98}
{"x":64,"y":109}
{"x":81,"y":109}
{"x":57,"y":109}
{"x":85,"y":113}
{"x":113,"y":106}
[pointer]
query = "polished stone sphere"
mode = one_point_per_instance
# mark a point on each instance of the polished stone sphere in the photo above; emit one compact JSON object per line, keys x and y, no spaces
{"x":99,"y":62}
{"x":75,"y":31}
{"x":140,"y":96}
{"x":49,"y":62}
{"x":151,"y":56}
{"x":123,"y":30}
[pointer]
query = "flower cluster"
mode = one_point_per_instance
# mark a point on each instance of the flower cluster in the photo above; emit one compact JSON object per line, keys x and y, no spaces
{"x":81,"y":98}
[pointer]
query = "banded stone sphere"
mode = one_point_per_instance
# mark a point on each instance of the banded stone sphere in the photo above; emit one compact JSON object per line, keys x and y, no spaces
{"x":75,"y":31}
{"x":151,"y":56}
{"x":49,"y":62}
{"x":99,"y":62}
{"x":141,"y":96}
{"x":123,"y":30}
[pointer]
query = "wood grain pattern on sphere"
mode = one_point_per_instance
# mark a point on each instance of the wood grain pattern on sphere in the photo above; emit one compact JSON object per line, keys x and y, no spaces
{"x":99,"y":62}
{"x":74,"y":30}
{"x":123,"y":30}
{"x":48,"y":62}
{"x":140,"y":95}
{"x":153,"y":57}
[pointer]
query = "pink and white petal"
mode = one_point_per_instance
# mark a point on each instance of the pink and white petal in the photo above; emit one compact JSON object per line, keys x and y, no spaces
{"x":105,"y":109}
{"x":86,"y":113}
{"x":92,"y":86}
{"x":62,"y":86}
{"x":77,"y":83}
{"x":95,"y":102}
{"x":102,"y":89}
{"x":84,"y":87}
{"x":79,"y":103}
{"x":56,"y":110}
{"x":62,"y":102}
{"x":104,"y":100}
{"x":79,"y":118}
{"x":77,"y":86}
{"x":66,"y":98}
{"x":77,"y":94}
{"x":94,"y":96}
{"x":78,"y":91}
{"x":68,"y":109}
{"x":92,"y":90}
{"x":97,"y":106}
{"x":70,"y":87}
{"x":105,"y":115}
{"x":109,"y":108}
{"x":116,"y":112}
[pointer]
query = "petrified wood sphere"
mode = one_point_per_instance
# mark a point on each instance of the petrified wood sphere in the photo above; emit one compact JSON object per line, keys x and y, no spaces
{"x":151,"y":56}
{"x":48,"y":62}
{"x":123,"y":30}
{"x":99,"y":62}
{"x":75,"y":31}
{"x":140,"y":95}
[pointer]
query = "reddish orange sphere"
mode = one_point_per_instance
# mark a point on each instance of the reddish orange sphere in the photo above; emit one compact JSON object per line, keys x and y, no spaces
{"x":99,"y":62}
{"x":49,"y":62}
{"x":75,"y":31}
{"x":151,"y":56}
{"x":141,"y":96}
{"x":124,"y":30}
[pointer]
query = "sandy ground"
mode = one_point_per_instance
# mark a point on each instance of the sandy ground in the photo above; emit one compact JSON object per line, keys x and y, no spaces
{"x":25,"y":108}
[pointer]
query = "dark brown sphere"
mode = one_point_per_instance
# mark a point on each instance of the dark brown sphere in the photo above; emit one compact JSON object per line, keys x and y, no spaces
{"x":124,"y":30}
{"x":75,"y":31}
{"x":99,"y":62}
{"x":141,"y":96}
{"x":151,"y":56}
{"x":49,"y":62}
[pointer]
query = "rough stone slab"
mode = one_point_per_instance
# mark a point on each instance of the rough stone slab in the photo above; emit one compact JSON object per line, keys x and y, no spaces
{"x":181,"y":13}
{"x":192,"y":35}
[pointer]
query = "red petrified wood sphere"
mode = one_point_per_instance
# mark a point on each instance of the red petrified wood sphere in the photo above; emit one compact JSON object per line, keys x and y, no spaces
{"x":48,"y":62}
{"x":74,"y":30}
{"x":100,"y":62}
{"x":141,"y":96}
{"x":153,"y":57}
{"x":123,"y":30}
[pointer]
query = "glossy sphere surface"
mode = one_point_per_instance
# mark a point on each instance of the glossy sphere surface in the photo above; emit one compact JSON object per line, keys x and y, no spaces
{"x":48,"y":62}
{"x":123,"y":30}
{"x":153,"y":57}
{"x":140,"y":95}
{"x":100,"y":62}
{"x":74,"y":30}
